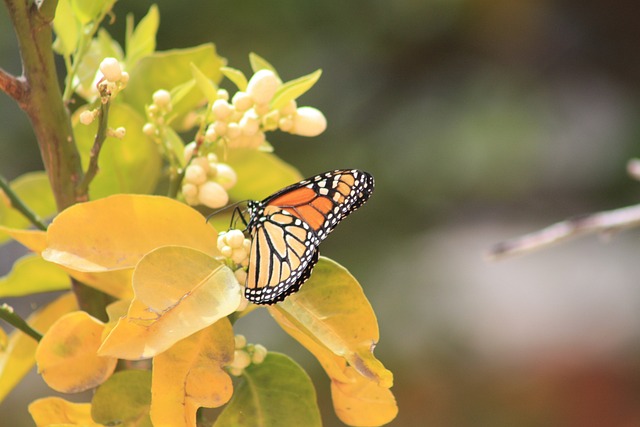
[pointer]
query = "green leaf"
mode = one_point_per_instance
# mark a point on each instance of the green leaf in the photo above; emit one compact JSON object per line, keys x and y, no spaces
{"x":124,"y":399}
{"x":293,"y":89}
{"x":31,"y":274}
{"x":236,"y":76}
{"x":277,"y":392}
{"x":67,"y":29}
{"x":176,"y":143}
{"x":142,"y":41}
{"x":259,"y":63}
{"x":88,"y":11}
{"x":166,"y":70}
{"x":34,"y":190}
{"x":259,"y":173}
{"x":129,"y":165}
{"x":206,"y":86}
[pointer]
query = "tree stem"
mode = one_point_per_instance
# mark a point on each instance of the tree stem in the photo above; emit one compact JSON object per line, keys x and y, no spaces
{"x":40,"y":97}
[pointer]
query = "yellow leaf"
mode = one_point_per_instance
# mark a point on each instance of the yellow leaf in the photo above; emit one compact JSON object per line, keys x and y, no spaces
{"x":179,"y":291}
{"x":363,"y":402}
{"x":35,"y":240}
{"x":190,"y":375}
{"x":18,"y":358}
{"x":67,"y":354}
{"x":4,"y":340}
{"x":99,"y":242}
{"x":57,"y":411}
{"x":357,"y":400}
{"x":332,"y":310}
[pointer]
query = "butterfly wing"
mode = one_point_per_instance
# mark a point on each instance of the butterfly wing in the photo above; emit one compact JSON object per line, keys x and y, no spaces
{"x":288,"y":227}
{"x":282,"y":256}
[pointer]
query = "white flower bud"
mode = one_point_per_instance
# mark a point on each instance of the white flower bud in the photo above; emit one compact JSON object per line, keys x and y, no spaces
{"x":290,"y":108}
{"x":202,"y":162}
{"x":249,"y":125}
{"x":226,"y":176}
{"x":222,"y":240}
{"x":188,"y":150}
{"x":235,"y":238}
{"x":262,"y":86}
{"x":226,"y":251}
{"x":247,"y":245}
{"x":86,"y":117}
{"x":213,"y":172}
{"x":194,"y":174}
{"x":162,"y":98}
{"x":236,"y":372}
{"x":241,"y":359}
{"x":220,"y":127}
{"x":190,"y":193}
{"x":259,"y":354}
{"x":308,"y":121}
{"x":212,"y":158}
{"x":257,"y":140}
{"x":149,"y":129}
{"x":242,"y":101}
{"x":119,"y":132}
{"x":212,"y":194}
{"x":223,"y":94}
{"x":233,"y":130}
{"x":238,"y":256}
{"x":240,"y":341}
{"x":221,"y":109}
{"x":261,"y":109}
{"x":111,"y":69}
{"x":210,"y":134}
{"x":285,"y":124}
{"x":124,"y":78}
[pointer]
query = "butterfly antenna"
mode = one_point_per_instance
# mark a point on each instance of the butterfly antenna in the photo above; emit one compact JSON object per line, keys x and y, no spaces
{"x":237,"y":211}
{"x":233,"y":205}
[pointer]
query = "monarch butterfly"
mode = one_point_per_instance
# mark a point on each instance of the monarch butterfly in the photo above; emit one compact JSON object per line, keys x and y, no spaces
{"x":287,"y":227}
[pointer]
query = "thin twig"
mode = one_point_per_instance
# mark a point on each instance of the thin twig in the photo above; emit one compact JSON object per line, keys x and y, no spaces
{"x":599,"y":222}
{"x":13,"y":86}
{"x":20,"y":206}
{"x":7,"y":314}
{"x":101,"y":135}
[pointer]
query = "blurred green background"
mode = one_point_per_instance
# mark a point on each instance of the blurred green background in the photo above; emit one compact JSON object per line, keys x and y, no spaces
{"x":480,"y":120}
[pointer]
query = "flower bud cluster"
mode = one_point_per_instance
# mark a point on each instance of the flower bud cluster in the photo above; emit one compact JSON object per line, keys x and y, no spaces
{"x":206,"y":180}
{"x":242,"y":121}
{"x":113,"y":79}
{"x":157,"y":112}
{"x":234,"y":246}
{"x":245,"y":354}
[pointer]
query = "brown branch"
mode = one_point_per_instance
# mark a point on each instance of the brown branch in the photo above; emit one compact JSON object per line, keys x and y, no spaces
{"x":600,"y":222}
{"x":15,"y":87}
{"x":42,"y":99}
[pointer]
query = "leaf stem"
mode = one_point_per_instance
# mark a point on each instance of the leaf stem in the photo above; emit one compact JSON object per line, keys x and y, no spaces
{"x":20,"y":206}
{"x":7,"y":314}
{"x":101,"y":136}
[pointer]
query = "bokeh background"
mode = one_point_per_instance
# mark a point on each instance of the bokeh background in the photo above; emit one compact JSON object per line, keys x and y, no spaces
{"x":480,"y":120}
